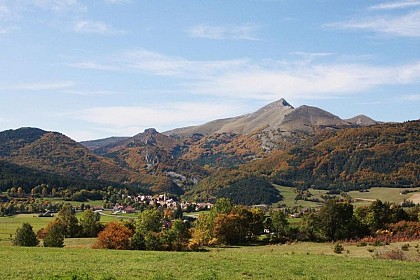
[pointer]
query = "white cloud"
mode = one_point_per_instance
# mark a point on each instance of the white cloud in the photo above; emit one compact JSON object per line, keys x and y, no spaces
{"x":97,"y":27}
{"x":406,"y":25}
{"x":60,"y":5}
{"x":8,"y":29}
{"x":218,"y":32}
{"x":155,"y":63}
{"x":4,"y":10}
{"x":308,"y":81}
{"x":263,"y":80}
{"x":411,"y":97}
{"x":117,"y":1}
{"x":396,"y":5}
{"x":90,"y":92}
{"x":39,"y":86}
{"x":129,"y":118}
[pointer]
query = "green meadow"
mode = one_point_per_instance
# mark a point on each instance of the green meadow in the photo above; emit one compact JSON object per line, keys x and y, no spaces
{"x":301,"y":260}
{"x":259,"y":262}
{"x":360,"y":198}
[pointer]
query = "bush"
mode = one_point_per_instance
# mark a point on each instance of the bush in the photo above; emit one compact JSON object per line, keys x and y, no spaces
{"x":138,"y":242}
{"x":390,"y":254}
{"x":405,"y":247}
{"x":25,"y":236}
{"x":338,"y":248}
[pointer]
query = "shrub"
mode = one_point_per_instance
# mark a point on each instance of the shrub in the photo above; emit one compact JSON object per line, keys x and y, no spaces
{"x":390,"y":254}
{"x":25,"y":236}
{"x":153,"y":241}
{"x":405,"y":247}
{"x":138,"y":242}
{"x":378,"y":243}
{"x":338,"y":248}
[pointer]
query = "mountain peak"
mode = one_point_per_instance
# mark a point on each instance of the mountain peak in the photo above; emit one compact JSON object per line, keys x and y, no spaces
{"x":279,"y":103}
{"x":362,"y":120}
{"x":150,"y":131}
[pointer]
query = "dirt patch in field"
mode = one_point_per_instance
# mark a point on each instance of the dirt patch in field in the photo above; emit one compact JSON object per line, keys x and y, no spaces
{"x":415,"y":198}
{"x":364,"y":199}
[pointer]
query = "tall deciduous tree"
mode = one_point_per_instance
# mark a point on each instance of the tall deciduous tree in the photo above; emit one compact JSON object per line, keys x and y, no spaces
{"x":68,"y":219}
{"x":336,"y":220}
{"x":279,"y":225}
{"x":150,"y":220}
{"x":89,"y":223}
{"x":55,"y":234}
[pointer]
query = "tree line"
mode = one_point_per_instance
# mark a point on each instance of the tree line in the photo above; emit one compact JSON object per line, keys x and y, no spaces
{"x":229,"y":224}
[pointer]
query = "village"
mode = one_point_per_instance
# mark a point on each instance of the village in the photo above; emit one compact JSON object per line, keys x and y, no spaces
{"x":141,"y":201}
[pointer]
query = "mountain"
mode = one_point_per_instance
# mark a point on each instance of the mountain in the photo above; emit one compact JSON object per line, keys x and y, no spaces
{"x":278,"y":125}
{"x":300,"y":147}
{"x":155,"y":155}
{"x":269,"y":115}
{"x":362,"y":120}
{"x":54,"y":153}
{"x":384,"y":155}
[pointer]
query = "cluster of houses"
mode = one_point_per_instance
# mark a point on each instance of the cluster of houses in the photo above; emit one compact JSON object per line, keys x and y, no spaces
{"x":161,"y":201}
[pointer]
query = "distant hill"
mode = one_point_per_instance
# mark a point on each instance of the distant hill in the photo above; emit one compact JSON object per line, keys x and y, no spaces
{"x":96,"y":144}
{"x":362,"y":120}
{"x":386,"y":155}
{"x":57,"y":157}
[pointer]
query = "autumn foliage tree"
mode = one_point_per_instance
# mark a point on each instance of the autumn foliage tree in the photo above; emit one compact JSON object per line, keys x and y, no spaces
{"x":114,"y":236}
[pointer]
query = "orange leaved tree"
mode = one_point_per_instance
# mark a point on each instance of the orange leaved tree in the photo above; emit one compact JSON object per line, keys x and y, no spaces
{"x":114,"y":236}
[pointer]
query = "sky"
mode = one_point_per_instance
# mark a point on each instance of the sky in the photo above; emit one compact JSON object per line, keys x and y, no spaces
{"x":98,"y":68}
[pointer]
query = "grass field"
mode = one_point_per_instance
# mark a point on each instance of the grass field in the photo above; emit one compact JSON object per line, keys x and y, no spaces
{"x":298,"y":261}
{"x":301,"y":260}
{"x":361,"y":198}
{"x":8,"y":225}
{"x":73,"y":203}
{"x":289,"y":197}
{"x":384,"y":194}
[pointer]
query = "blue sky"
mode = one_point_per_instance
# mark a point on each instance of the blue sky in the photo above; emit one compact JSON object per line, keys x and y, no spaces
{"x":98,"y":68}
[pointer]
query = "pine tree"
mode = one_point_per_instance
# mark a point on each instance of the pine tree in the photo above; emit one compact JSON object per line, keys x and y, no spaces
{"x":25,"y":236}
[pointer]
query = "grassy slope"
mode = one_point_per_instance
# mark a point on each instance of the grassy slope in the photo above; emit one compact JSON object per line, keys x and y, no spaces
{"x":269,"y":262}
{"x":361,"y":198}
{"x":8,"y":225}
{"x":384,"y":194}
{"x":289,"y":197}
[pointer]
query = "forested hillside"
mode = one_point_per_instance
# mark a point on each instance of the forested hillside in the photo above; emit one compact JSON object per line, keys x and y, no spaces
{"x":386,"y":155}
